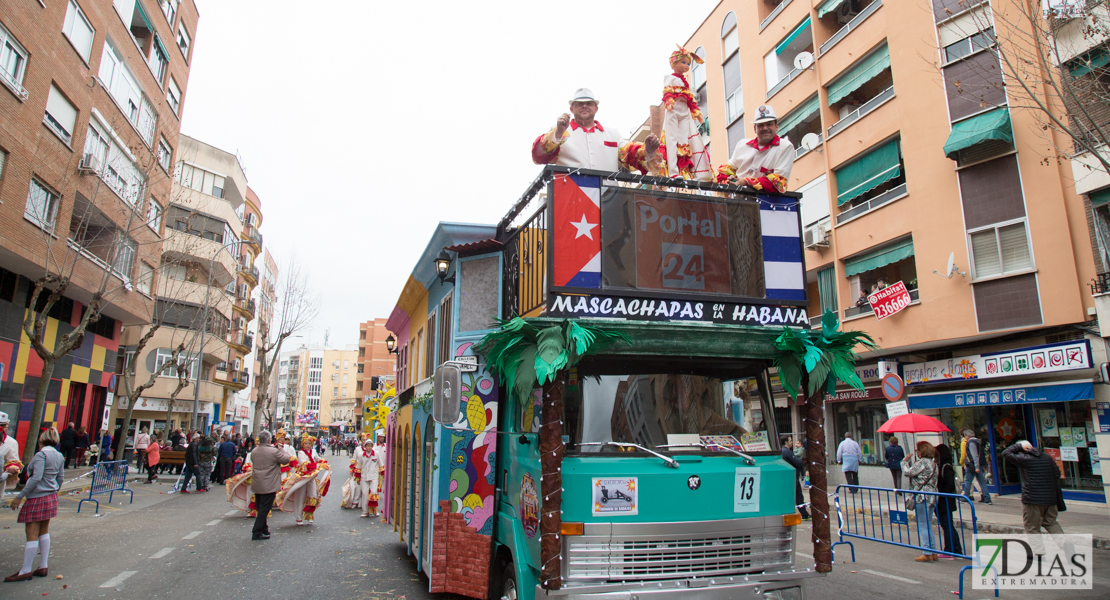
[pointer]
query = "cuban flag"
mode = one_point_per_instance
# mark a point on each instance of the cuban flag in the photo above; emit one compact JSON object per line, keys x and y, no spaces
{"x":577,"y":201}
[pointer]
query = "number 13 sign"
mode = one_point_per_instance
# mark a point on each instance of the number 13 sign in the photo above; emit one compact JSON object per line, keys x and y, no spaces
{"x":747,"y":490}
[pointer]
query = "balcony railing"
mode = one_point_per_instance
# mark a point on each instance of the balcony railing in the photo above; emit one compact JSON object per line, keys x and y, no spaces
{"x":865,"y":108}
{"x":524,"y":264}
{"x":800,"y":150}
{"x":241,"y":377}
{"x":866,"y":307}
{"x":877,"y":201}
{"x":855,"y":22}
{"x":774,"y":13}
{"x":250,"y":234}
{"x":1101,"y":285}
{"x":13,"y":86}
{"x":791,"y":76}
{"x":250,"y":271}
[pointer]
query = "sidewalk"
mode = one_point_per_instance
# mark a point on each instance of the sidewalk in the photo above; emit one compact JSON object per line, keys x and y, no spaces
{"x":78,"y":479}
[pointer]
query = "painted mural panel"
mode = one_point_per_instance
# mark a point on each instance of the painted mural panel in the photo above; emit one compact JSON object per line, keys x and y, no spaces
{"x":473,"y":440}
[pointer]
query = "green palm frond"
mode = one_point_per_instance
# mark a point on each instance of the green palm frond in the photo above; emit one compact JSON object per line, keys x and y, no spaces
{"x":827,"y":356}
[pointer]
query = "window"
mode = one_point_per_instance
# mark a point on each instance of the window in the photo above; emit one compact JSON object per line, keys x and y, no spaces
{"x":42,"y":206}
{"x":13,"y":62}
{"x":344,"y":392}
{"x":314,"y":376}
{"x":358,"y":386}
{"x":114,"y":165}
{"x":158,"y":61}
{"x":362,"y":352}
{"x":134,"y":17}
{"x":125,"y":257}
{"x":60,"y":115}
{"x":876,"y":269}
{"x":154,"y":215}
{"x":165,"y":154}
{"x":446,"y":317}
{"x":173,"y":96}
{"x":730,"y":39}
{"x":869,"y":181}
{"x":779,"y":63}
{"x":200,"y":180}
{"x":362,"y":335}
{"x":346,"y":365}
{"x":344,"y":378}
{"x":960,"y":49}
{"x":183,"y":41}
{"x":360,"y":367}
{"x":735,"y":133}
{"x":145,"y":282}
{"x":78,"y":30}
{"x":125,"y":90}
{"x":164,"y":356}
{"x":334,"y":392}
{"x":851,"y":94}
{"x":1000,"y":250}
{"x":806,"y":118}
{"x":169,"y":8}
{"x":734,"y":100}
{"x":96,"y":147}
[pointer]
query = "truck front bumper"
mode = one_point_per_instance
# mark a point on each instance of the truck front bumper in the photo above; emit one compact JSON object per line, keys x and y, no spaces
{"x":780,"y":586}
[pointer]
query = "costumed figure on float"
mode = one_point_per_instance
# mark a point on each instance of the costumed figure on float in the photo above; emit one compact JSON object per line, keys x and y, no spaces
{"x":684,"y":155}
{"x":763,"y":162}
{"x":308,"y":482}
{"x":583,"y":142}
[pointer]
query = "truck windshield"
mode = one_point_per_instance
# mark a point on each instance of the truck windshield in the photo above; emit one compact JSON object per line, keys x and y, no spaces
{"x":650,"y":410}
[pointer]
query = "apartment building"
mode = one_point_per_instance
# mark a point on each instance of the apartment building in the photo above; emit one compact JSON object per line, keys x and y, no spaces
{"x":265,"y":295}
{"x":316,"y":387}
{"x":89,"y":129}
{"x":916,"y":152}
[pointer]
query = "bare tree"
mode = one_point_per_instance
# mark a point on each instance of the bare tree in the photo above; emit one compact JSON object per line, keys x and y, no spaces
{"x":296,"y":307}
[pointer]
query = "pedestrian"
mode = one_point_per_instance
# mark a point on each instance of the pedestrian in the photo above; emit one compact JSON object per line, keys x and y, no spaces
{"x":266,"y":462}
{"x":68,"y":445}
{"x":10,"y":465}
{"x":225,"y":460}
{"x":153,"y":455}
{"x":946,"y":505}
{"x":207,"y":453}
{"x":105,"y":445}
{"x":81,"y":446}
{"x":115,"y":442}
{"x":142,"y":441}
{"x":800,"y":469}
{"x":44,"y":479}
{"x":973,"y":467}
{"x":894,"y":455}
{"x":848,"y":455}
{"x":192,"y":461}
{"x":1040,"y":476}
{"x":176,"y":438}
{"x":922,"y":471}
{"x":179,"y":446}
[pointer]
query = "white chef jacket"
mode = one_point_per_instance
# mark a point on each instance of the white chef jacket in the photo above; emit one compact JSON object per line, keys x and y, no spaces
{"x":593,"y":148}
{"x":748,"y":161}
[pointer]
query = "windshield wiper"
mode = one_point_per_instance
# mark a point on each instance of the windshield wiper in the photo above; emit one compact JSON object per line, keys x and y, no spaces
{"x":670,"y":461}
{"x":747,"y":459}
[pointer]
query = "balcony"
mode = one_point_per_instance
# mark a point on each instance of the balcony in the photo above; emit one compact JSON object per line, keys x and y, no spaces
{"x":864,"y":207}
{"x":247,"y":307}
{"x":866,"y":309}
{"x":791,"y":76}
{"x":241,"y":341}
{"x":181,"y":246}
{"x":195,"y":293}
{"x":250,"y":273}
{"x":774,"y":13}
{"x":860,"y":112}
{"x":251,"y":236}
{"x":802,"y":150}
{"x":233,"y":379}
{"x":853,"y":24}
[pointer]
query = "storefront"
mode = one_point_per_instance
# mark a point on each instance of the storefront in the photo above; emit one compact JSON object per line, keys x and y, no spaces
{"x":1056,"y":417}
{"x":150,"y":413}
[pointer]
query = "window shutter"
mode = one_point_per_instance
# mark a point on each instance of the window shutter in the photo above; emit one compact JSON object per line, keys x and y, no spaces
{"x":60,"y":109}
{"x":731,"y":71}
{"x":735,"y":135}
{"x":1015,"y":247}
{"x":965,"y":25}
{"x":984,"y":250}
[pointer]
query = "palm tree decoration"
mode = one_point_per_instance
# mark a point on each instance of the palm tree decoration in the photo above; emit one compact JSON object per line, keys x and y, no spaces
{"x":523,"y":355}
{"x":812,"y":362}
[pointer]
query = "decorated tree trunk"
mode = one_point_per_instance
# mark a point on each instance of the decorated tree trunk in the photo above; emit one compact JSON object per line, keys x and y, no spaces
{"x":818,"y":478}
{"x":551,"y":484}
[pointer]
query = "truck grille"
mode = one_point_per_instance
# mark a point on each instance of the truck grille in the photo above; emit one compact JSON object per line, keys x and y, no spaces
{"x":677,"y":551}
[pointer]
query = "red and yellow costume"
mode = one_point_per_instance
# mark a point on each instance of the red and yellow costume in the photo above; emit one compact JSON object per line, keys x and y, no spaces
{"x":307,"y":483}
{"x":9,"y":456}
{"x":765,"y":168}
{"x":352,"y":488}
{"x":684,"y":154}
{"x":590,"y":148}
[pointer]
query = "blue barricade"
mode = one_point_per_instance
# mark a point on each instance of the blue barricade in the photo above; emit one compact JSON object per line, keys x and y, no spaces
{"x":884,"y":515}
{"x":108,"y":478}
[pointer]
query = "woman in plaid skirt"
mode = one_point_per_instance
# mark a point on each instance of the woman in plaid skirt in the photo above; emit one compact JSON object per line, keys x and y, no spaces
{"x":41,"y":494}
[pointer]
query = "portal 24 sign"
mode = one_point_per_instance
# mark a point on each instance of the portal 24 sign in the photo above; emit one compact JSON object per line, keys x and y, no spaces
{"x":682,"y":245}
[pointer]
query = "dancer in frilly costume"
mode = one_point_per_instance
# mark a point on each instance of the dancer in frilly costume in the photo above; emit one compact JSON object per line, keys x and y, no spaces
{"x":352,"y":488}
{"x":301,"y":492}
{"x":684,"y":154}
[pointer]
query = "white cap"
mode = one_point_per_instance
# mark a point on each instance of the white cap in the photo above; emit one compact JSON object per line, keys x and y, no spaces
{"x":764,"y":114}
{"x":3,"y":418}
{"x":583,"y":95}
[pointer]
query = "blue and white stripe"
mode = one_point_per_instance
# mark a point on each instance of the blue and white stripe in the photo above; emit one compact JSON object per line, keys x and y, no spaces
{"x":783,"y":269}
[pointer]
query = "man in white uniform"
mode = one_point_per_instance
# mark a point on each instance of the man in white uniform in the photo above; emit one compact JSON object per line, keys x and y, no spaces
{"x":763,"y":162}
{"x":10,"y":464}
{"x":584,"y":143}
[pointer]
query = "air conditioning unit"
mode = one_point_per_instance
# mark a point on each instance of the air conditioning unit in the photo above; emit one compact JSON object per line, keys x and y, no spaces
{"x":816,"y":237}
{"x":847,"y":11}
{"x":88,"y":164}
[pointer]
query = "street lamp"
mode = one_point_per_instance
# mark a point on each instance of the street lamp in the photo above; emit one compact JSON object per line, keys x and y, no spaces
{"x":443,"y":262}
{"x":391,"y":344}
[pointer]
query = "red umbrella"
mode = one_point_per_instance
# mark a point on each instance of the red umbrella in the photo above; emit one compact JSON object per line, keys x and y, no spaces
{"x":913,"y":423}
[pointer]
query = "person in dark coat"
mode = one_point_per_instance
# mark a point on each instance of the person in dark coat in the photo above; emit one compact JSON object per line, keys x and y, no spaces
{"x":225,"y":460}
{"x":192,"y":463}
{"x":68,"y":447}
{"x":799,"y":473}
{"x":1039,"y":477}
{"x":894,"y":455}
{"x":946,"y":484}
{"x":115,"y":441}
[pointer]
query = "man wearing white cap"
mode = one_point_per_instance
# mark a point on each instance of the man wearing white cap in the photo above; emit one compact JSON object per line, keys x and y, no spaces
{"x":763,"y":162}
{"x":584,"y":143}
{"x":9,"y":455}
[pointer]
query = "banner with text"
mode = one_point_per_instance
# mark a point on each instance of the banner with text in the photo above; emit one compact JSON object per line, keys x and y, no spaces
{"x":1037,"y":360}
{"x":642,"y":309}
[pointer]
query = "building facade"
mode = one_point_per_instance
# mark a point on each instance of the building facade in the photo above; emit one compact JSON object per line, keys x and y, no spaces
{"x":89,"y":130}
{"x":918,"y":167}
{"x":310,"y":379}
{"x":374,"y":361}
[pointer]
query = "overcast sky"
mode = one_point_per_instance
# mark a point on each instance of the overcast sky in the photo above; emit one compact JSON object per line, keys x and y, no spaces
{"x":362,"y":123}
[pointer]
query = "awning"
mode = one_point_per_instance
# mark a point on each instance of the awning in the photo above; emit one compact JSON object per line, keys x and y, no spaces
{"x":337,"y":424}
{"x":868,"y":172}
{"x":989,"y":126}
{"x":828,"y":7}
{"x":799,"y":114}
{"x":860,"y":74}
{"x":1069,"y":391}
{"x":1096,"y":59}
{"x":879,"y":258}
{"x":1100,"y":197}
{"x":790,"y":38}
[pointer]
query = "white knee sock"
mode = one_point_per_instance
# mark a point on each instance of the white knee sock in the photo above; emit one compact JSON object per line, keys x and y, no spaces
{"x":29,"y":552}
{"x":44,"y":549}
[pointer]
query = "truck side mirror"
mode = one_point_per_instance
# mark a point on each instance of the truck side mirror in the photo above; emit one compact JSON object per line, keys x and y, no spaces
{"x":447,"y":394}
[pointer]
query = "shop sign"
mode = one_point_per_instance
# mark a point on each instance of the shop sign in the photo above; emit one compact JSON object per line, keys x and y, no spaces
{"x":1036,"y":360}
{"x":889,"y":300}
{"x":160,"y":405}
{"x":1103,"y":415}
{"x":242,"y":411}
{"x":644,"y":309}
{"x":1069,"y":454}
{"x":850,"y":395}
{"x":1051,"y":392}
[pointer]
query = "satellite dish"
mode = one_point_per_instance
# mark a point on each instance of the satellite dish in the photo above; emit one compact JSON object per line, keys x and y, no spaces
{"x":811,"y":141}
{"x":803,"y":61}
{"x":951,"y":264}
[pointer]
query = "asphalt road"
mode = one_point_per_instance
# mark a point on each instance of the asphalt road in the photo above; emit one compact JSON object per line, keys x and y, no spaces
{"x":167,"y":545}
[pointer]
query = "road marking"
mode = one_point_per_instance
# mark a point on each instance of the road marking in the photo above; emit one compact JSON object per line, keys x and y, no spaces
{"x":161,"y":553}
{"x":192,"y":535}
{"x":215,"y":522}
{"x":231,"y":513}
{"x":118,"y":579}
{"x":804,"y":555}
{"x":889,"y":576}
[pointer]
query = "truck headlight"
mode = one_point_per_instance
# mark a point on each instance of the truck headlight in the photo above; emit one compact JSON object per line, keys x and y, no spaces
{"x":794,"y":593}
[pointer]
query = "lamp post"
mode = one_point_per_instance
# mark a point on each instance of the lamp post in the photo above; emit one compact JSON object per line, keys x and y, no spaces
{"x":443,"y":263}
{"x":391,"y":344}
{"x":203,"y":330}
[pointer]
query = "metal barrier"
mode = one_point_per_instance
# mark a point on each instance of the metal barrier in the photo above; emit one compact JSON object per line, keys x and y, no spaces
{"x":109,"y":477}
{"x":882,"y":515}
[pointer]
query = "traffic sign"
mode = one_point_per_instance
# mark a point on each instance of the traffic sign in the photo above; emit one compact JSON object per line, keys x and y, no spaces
{"x":893,"y":386}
